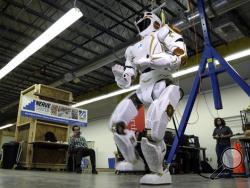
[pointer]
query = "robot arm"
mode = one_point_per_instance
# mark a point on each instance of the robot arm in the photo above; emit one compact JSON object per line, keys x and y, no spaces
{"x":124,"y":77}
{"x":176,"y":53}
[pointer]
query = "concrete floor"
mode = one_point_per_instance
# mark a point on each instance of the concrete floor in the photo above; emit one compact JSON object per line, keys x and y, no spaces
{"x":40,"y":179}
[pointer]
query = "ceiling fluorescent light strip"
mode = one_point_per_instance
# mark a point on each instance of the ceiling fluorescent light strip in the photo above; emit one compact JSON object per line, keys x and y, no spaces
{"x":118,"y":92}
{"x":60,"y":25}
{"x":6,"y":126}
{"x":231,"y":57}
{"x":238,"y":55}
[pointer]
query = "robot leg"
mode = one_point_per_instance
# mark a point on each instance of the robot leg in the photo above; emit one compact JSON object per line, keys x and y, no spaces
{"x":153,"y":146}
{"x":126,"y":144}
{"x":125,"y":111}
{"x":125,"y":139}
{"x":154,"y":154}
{"x":161,"y":111}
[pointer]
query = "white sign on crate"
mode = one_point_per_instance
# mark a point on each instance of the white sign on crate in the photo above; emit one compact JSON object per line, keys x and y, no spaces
{"x":49,"y":111}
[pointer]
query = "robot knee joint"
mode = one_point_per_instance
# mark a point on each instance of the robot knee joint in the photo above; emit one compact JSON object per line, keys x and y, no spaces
{"x":148,"y":135}
{"x":119,"y":128}
{"x":152,"y":136}
{"x":170,"y":110}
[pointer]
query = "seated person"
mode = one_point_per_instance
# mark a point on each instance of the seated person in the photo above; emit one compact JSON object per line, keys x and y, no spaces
{"x":78,"y":146}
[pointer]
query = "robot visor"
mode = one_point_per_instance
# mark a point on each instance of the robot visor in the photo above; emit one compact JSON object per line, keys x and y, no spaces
{"x":144,"y":24}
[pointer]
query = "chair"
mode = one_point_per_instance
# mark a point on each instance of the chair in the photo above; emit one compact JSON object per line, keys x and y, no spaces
{"x":71,"y":163}
{"x":86,"y":162}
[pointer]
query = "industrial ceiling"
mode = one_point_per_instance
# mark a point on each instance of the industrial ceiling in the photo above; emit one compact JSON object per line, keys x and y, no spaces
{"x":80,"y":59}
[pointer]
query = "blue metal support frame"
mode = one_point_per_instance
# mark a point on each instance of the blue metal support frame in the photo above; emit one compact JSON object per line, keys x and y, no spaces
{"x":208,"y":57}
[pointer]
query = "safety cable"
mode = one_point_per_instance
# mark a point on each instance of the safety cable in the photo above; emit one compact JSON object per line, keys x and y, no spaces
{"x":175,"y":127}
{"x":74,"y":3}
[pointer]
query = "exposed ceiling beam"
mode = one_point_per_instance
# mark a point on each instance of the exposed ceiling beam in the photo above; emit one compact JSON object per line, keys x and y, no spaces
{"x":193,"y":18}
{"x":131,"y":28}
{"x":48,"y":19}
{"x":52,"y":47}
{"x":220,"y":8}
{"x":88,"y":21}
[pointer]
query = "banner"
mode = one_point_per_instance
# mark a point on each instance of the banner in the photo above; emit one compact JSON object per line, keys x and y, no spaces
{"x":49,"y":111}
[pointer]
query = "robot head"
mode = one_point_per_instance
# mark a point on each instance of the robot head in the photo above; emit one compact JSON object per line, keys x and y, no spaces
{"x":147,"y":23}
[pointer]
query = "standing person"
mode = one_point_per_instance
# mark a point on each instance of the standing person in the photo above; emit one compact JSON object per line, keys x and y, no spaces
{"x":79,"y":147}
{"x":222,"y":134}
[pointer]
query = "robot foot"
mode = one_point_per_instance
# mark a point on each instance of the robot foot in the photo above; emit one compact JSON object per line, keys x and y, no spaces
{"x":127,"y":166}
{"x":157,"y":179}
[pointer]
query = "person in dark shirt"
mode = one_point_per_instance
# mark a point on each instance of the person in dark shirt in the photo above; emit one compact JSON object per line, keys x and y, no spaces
{"x":78,"y":146}
{"x":222,"y":134}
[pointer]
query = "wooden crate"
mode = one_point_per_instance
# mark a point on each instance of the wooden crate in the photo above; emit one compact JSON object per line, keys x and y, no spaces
{"x":53,"y":94}
{"x":39,"y":91}
{"x":29,"y":131}
{"x":60,"y":131}
{"x":23,"y":136}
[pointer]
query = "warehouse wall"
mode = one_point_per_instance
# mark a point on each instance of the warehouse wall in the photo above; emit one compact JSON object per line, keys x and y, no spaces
{"x":234,"y":100}
{"x":6,"y":135}
{"x":97,"y":130}
{"x":104,"y":144}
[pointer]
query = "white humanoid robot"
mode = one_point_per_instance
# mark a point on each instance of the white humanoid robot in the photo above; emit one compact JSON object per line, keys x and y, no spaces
{"x":160,"y":51}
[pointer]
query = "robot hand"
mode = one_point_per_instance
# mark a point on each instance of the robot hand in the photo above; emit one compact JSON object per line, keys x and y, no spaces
{"x":182,"y":59}
{"x":117,"y":70}
{"x":123,"y":79}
